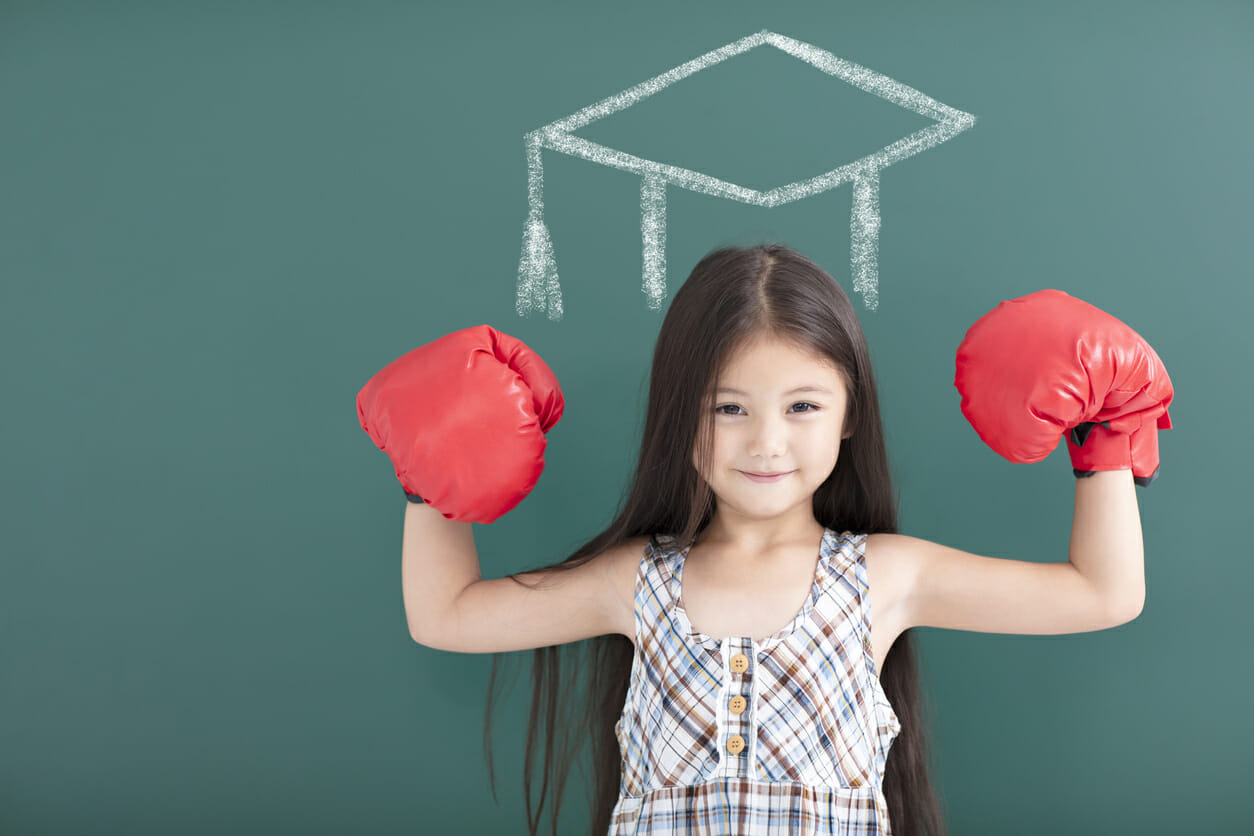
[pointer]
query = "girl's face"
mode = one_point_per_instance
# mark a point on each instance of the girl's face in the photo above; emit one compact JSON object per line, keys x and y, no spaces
{"x":765,"y":423}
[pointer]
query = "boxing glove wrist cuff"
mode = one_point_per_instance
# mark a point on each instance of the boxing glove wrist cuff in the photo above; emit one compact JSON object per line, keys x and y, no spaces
{"x":413,"y":497}
{"x":1096,"y":446}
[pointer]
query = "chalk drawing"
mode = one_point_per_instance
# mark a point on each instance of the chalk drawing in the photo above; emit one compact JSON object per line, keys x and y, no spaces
{"x":538,"y":285}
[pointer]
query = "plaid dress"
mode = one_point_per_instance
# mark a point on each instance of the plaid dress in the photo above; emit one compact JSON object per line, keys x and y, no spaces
{"x":732,"y":736}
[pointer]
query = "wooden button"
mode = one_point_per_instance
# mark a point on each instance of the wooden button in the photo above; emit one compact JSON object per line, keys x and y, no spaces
{"x":737,"y":705}
{"x":740,"y":663}
{"x":735,"y":744}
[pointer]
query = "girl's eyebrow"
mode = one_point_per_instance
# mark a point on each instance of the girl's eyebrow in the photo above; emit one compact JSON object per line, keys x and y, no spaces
{"x":789,"y":392}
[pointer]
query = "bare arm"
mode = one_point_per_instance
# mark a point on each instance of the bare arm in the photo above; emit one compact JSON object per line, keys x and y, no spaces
{"x":438,"y":561}
{"x":449,"y":606}
{"x":1101,"y":586}
{"x":1106,"y":545}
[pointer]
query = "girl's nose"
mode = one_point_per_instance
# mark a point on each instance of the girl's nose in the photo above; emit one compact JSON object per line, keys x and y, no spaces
{"x":769,"y":439}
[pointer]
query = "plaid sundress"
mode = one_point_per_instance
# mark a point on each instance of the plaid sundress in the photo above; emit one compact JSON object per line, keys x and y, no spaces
{"x":732,"y":736}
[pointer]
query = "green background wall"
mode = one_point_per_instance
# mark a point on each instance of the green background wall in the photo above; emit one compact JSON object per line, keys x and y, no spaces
{"x":218,"y":220}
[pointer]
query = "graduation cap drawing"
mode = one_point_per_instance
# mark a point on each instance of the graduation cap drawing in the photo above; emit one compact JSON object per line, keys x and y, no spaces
{"x":538,"y":285}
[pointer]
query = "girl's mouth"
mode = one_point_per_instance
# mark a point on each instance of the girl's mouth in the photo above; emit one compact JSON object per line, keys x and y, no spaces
{"x":757,"y":477}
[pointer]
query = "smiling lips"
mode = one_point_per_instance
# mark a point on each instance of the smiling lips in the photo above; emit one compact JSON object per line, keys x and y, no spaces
{"x":765,"y":477}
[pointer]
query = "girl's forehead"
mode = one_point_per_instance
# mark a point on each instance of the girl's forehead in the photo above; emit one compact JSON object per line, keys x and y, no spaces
{"x":770,"y":344}
{"x":767,"y":359}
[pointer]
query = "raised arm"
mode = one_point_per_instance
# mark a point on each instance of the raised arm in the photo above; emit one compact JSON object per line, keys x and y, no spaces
{"x":463,"y":419}
{"x":1030,"y":371}
{"x":449,"y":606}
{"x":1106,"y":545}
{"x":438,"y":561}
{"x":1100,"y":587}
{"x":1048,"y":365}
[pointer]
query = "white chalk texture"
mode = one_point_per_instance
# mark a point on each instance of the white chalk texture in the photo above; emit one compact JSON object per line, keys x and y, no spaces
{"x":538,"y":285}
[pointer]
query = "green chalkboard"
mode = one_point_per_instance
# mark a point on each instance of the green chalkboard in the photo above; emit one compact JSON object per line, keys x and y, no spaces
{"x":219,"y":220}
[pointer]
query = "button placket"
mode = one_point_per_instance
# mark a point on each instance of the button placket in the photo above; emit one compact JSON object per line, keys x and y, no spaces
{"x":740,"y":690}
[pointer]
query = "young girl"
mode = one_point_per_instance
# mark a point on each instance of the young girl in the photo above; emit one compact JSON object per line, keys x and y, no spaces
{"x":748,"y":612}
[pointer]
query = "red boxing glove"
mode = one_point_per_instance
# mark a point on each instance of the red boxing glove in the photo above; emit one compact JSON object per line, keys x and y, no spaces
{"x":463,"y":419}
{"x":1037,"y":366}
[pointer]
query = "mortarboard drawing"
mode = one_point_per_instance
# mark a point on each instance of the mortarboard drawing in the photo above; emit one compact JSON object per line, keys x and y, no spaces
{"x":538,"y":286}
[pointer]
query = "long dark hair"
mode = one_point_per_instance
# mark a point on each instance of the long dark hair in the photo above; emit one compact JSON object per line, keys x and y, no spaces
{"x":734,"y":294}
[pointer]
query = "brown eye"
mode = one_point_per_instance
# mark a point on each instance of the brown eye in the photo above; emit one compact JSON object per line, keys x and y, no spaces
{"x":719,"y":409}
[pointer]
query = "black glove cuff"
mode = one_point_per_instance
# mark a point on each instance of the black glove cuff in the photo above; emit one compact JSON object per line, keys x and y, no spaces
{"x":413,"y":497}
{"x":1143,"y":481}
